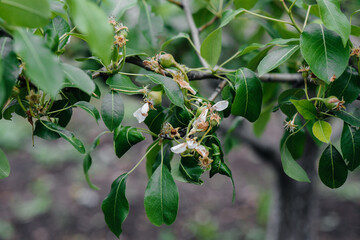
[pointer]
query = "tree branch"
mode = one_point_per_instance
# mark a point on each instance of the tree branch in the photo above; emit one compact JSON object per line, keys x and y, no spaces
{"x":194,"y":31}
{"x":199,"y":75}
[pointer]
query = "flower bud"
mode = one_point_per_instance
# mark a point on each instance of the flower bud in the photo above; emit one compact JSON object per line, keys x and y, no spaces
{"x":167,"y":60}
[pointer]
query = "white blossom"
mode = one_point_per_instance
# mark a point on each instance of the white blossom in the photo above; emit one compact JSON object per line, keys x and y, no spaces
{"x":190,"y":144}
{"x":180,"y":148}
{"x":220,"y":106}
{"x":142,"y":112}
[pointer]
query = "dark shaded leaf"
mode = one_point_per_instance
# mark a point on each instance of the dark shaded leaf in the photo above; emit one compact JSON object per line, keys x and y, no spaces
{"x":112,"y":110}
{"x":348,"y":117}
{"x":350,"y":147}
{"x":347,"y":86}
{"x":190,"y":169}
{"x":332,"y":168}
{"x":115,"y":206}
{"x":248,"y":99}
{"x":125,"y":138}
{"x":89,"y":108}
{"x":67,"y":135}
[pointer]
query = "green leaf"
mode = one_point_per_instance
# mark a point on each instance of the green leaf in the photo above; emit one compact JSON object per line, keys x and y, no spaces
{"x":4,"y":165}
{"x":229,"y":15}
{"x":115,"y":206}
{"x":276,"y":58}
{"x":322,"y":131}
{"x":65,"y":134}
{"x":60,"y":27}
{"x":161,"y":197}
{"x":246,"y":48}
{"x":25,"y":13}
{"x":44,"y":132}
{"x":310,"y":2}
{"x":282,"y":41}
{"x":248,"y":99}
{"x":117,"y":8}
{"x":348,"y":118}
{"x":305,"y":108}
{"x":334,"y":19}
{"x":93,"y":23}
{"x":152,"y":157}
{"x":180,"y":35}
{"x":190,"y":169}
{"x":350,"y":147}
{"x":78,"y":78}
{"x":295,"y":143}
{"x":155,"y":119}
{"x":172,"y":89}
{"x":324,"y":52}
{"x":210,"y":49}
{"x":291,"y":167}
{"x":63,"y":116}
{"x":284,"y":101}
{"x":347,"y":86}
{"x":87,"y":162}
{"x":112,"y":110}
{"x":123,"y":84}
{"x":125,"y":138}
{"x":260,"y":124}
{"x":42,"y":66}
{"x":9,"y":71}
{"x":332,"y":168}
{"x":254,"y":62}
{"x":150,"y":25}
{"x":89,"y":108}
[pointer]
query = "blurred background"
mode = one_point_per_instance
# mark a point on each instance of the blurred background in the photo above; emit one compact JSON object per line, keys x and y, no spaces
{"x":47,"y":197}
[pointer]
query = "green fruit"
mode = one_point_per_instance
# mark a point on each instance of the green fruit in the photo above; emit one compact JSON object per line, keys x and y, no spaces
{"x":156,"y":97}
{"x":331,"y":102}
{"x":167,"y":60}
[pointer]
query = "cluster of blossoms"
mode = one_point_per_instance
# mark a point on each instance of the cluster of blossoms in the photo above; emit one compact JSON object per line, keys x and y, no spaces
{"x":199,"y":125}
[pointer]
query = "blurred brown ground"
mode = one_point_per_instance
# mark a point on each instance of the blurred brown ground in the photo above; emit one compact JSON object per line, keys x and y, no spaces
{"x":46,"y":197}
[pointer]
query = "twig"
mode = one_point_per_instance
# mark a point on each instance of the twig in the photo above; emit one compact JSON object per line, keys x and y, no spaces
{"x":193,"y":29}
{"x":218,"y":90}
{"x":176,"y":3}
{"x":203,"y":27}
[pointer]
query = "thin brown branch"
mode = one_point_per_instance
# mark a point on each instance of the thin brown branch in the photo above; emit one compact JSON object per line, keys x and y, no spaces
{"x":176,"y":3}
{"x":218,"y":90}
{"x":206,"y":25}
